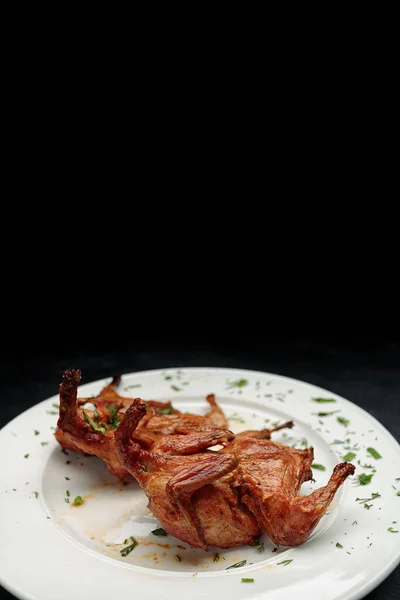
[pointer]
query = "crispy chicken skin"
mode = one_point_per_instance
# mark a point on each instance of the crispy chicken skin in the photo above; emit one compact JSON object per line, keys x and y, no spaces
{"x":202,"y":497}
{"x":74,"y":432}
{"x":270,"y":476}
{"x":182,"y":481}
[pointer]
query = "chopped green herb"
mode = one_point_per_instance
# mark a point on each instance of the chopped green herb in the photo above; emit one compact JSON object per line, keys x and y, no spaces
{"x":133,"y":385}
{"x":67,"y":493}
{"x":349,"y":456}
{"x":336,"y":442}
{"x":325,"y":414}
{"x":354,"y":523}
{"x":238,"y":383}
{"x":392,"y":530}
{"x":324,"y":399}
{"x":338,"y":545}
{"x":160,"y":531}
{"x":374,"y":453}
{"x":304,"y":442}
{"x":365,"y":466}
{"x":241,"y":563}
{"x":36,"y":494}
{"x":367,"y":506}
{"x":78,"y":501}
{"x":216,"y":557}
{"x":397,"y":479}
{"x":398,"y":493}
{"x":114,"y":413}
{"x":317,"y":466}
{"x":51,"y":412}
{"x":94,"y":425}
{"x":168,"y":378}
{"x":285,"y":562}
{"x":113,"y":409}
{"x":178,"y":558}
{"x":176,"y":388}
{"x":36,"y":432}
{"x":66,"y":500}
{"x":44,"y":443}
{"x":166,"y":411}
{"x":26,"y":455}
{"x":247,"y":580}
{"x":343,"y":421}
{"x":259,"y":546}
{"x":128,"y":549}
{"x":364,"y":479}
{"x":57,"y":406}
{"x":374,"y":496}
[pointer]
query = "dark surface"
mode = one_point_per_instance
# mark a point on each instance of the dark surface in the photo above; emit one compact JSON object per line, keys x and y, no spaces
{"x":366,"y":373}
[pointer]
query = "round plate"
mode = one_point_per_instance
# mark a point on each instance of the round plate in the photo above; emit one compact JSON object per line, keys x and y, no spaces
{"x":53,"y":549}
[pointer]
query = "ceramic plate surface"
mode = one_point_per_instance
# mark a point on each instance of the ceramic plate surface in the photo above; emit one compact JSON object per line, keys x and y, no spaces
{"x":50,"y":548}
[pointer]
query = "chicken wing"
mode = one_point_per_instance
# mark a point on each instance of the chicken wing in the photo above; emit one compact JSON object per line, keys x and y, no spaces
{"x":182,"y":481}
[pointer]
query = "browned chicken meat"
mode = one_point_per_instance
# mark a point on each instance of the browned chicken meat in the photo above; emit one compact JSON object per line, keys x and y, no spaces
{"x":189,"y":488}
{"x":92,"y":431}
{"x":270,"y":476}
{"x":200,"y":497}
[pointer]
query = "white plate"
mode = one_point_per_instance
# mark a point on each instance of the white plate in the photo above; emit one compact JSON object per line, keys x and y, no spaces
{"x":50,"y":549}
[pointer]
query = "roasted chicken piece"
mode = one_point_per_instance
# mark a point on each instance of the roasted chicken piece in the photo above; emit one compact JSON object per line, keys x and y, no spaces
{"x":92,"y":431}
{"x":270,"y":476}
{"x":184,"y":485}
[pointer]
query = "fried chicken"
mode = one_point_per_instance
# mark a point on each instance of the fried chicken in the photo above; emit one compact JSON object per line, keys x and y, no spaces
{"x":92,"y":431}
{"x":270,"y":476}
{"x":188,"y":487}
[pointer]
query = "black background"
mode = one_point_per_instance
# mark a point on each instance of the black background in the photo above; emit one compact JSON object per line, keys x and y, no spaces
{"x":363,"y":369}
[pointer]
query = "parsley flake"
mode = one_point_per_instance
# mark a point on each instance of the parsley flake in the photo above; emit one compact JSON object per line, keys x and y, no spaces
{"x":324,"y":399}
{"x":241,"y":563}
{"x":349,"y":456}
{"x":160,"y":531}
{"x":285,"y":562}
{"x":94,"y":425}
{"x":128,"y":549}
{"x":317,"y":466}
{"x":374,"y":453}
{"x":364,"y":479}
{"x":247,"y":580}
{"x":239,"y":383}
